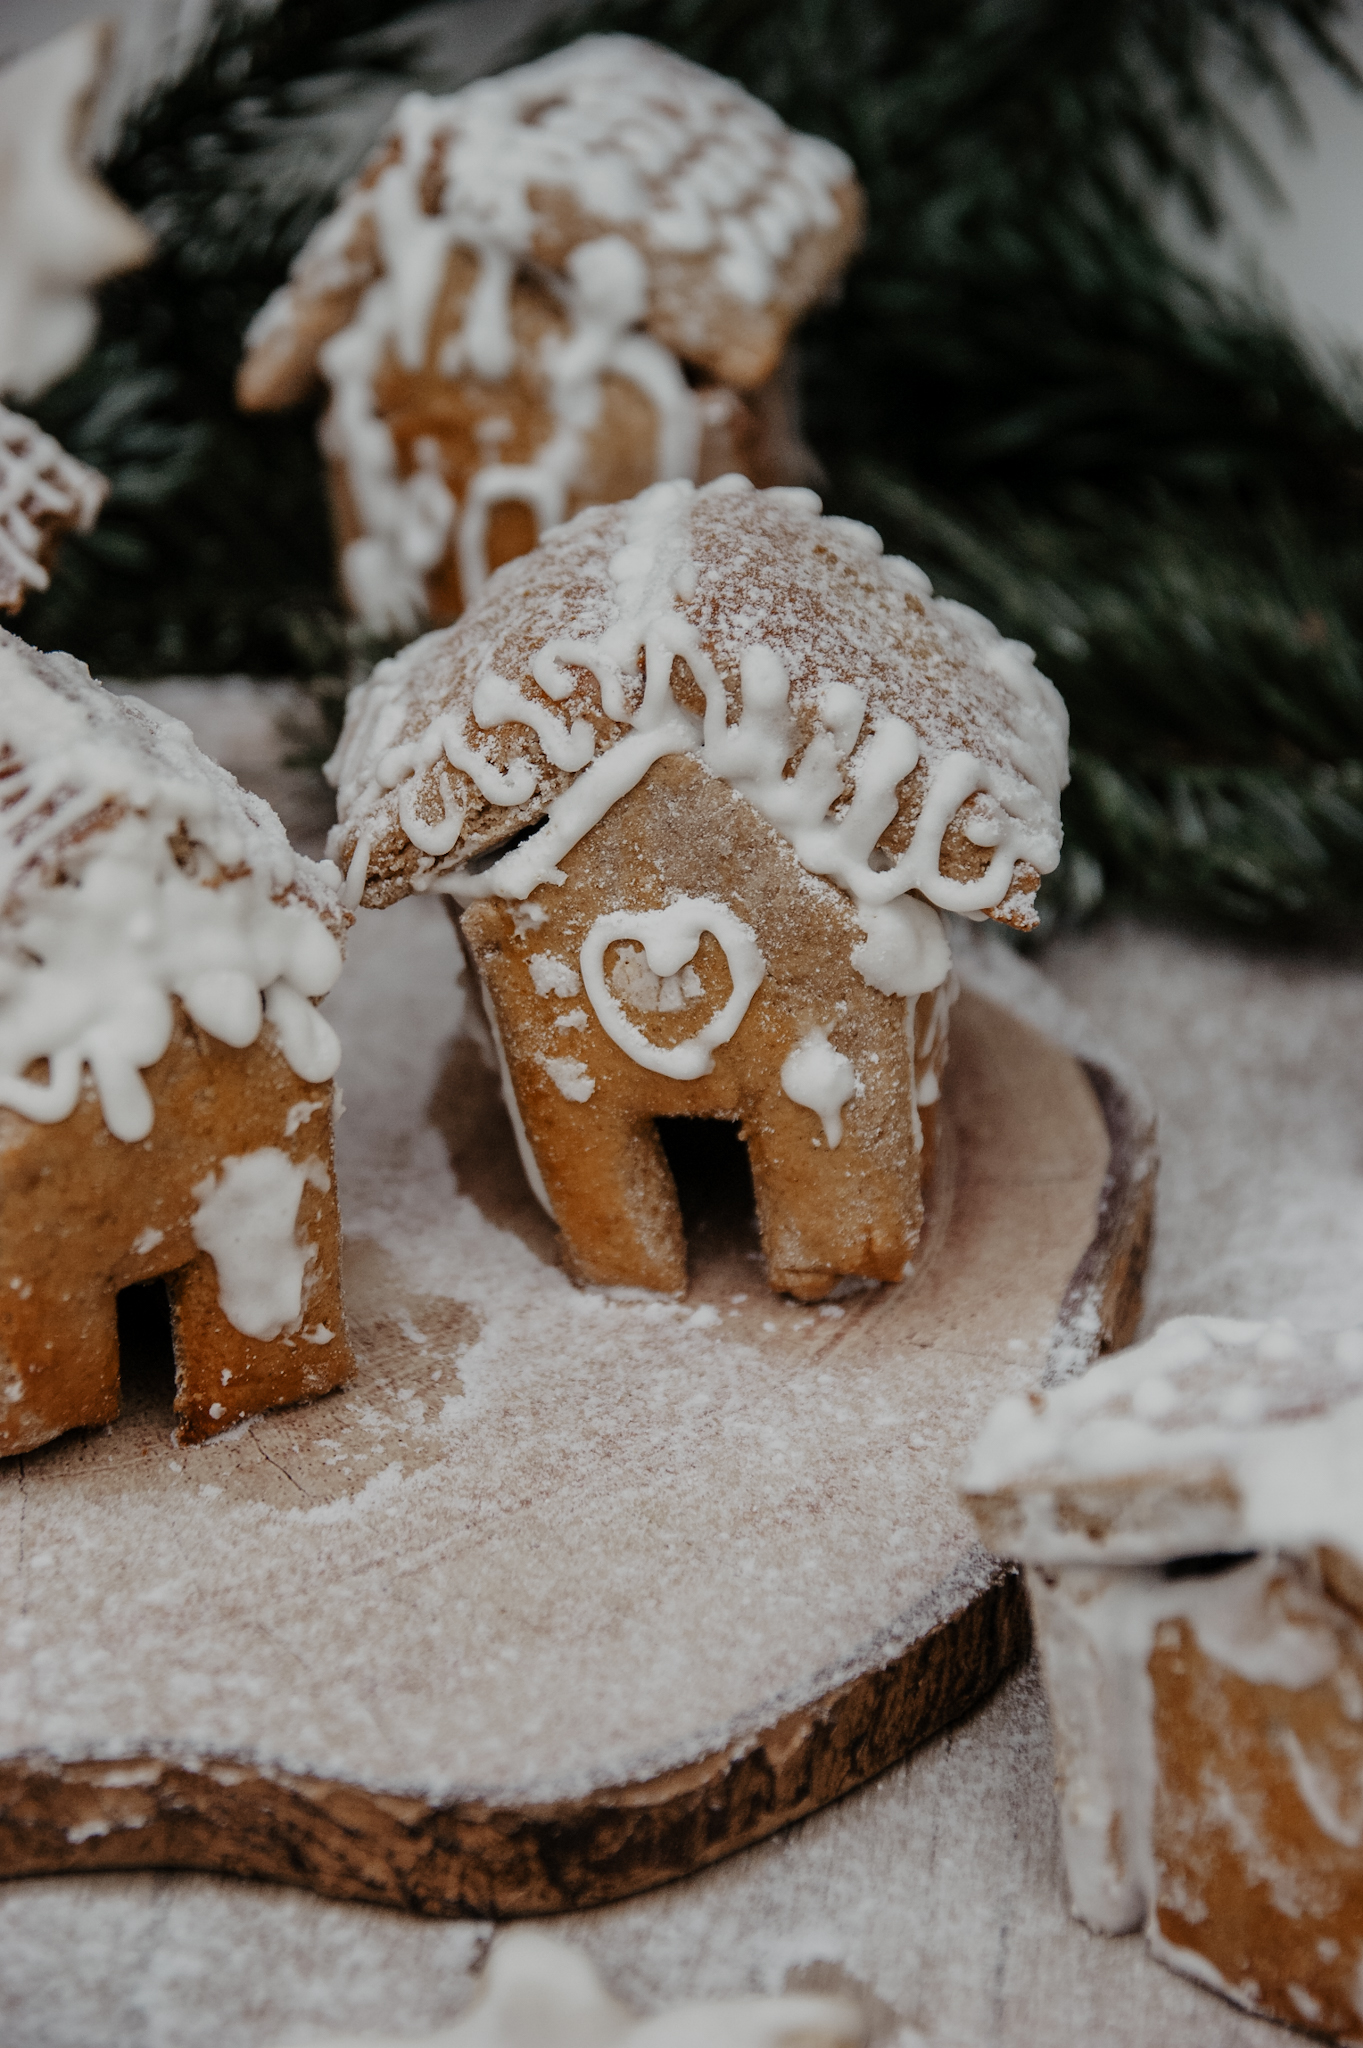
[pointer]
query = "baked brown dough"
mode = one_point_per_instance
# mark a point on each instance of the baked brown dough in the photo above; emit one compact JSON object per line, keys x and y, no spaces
{"x":82,"y":1214}
{"x":548,"y":291}
{"x":823,"y":1213}
{"x":1188,"y":1514}
{"x":701,"y":771}
{"x":165,"y":1080}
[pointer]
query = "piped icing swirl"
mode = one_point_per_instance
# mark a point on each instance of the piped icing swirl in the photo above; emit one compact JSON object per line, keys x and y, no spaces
{"x":903,"y":748}
{"x":132,"y":871}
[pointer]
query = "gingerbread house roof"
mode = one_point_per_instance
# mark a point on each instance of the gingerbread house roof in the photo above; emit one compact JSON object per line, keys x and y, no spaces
{"x":895,"y":739}
{"x":43,"y":492}
{"x":1214,"y":1436}
{"x":134,"y":869}
{"x":739,"y":225}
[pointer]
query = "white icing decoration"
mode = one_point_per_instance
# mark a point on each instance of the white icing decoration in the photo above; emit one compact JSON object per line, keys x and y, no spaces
{"x":572,"y":1020}
{"x":905,"y":951}
{"x":639,"y":988}
{"x":497,"y":702}
{"x":670,"y":938}
{"x":246,"y":1220}
{"x":1292,"y":1482}
{"x":437,"y":840}
{"x":38,"y":480}
{"x":819,"y":1078}
{"x":753,"y":755}
{"x":570,"y":1077}
{"x":299,"y":1114}
{"x":552,"y":976}
{"x":147,"y":1241}
{"x":306,"y":1039}
{"x":708,"y":170}
{"x":537,"y":1992}
{"x":90,"y":962}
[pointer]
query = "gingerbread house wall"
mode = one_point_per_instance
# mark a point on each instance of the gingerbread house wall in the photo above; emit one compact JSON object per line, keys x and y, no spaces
{"x":588,"y":1108}
{"x":84,"y":1214}
{"x":1208,"y":1722}
{"x":449,"y":428}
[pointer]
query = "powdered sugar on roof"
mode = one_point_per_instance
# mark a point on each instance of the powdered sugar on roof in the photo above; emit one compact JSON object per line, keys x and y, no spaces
{"x":1213,"y":1435}
{"x":132,"y":870}
{"x":902,"y":717}
{"x":638,"y":140}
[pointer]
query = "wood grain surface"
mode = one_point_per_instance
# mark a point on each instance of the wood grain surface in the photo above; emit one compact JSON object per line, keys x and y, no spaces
{"x":1039,"y":1223}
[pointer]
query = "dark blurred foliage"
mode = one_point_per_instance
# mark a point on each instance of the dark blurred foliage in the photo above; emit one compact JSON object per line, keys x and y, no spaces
{"x":214,"y":550}
{"x":1148,"y":477}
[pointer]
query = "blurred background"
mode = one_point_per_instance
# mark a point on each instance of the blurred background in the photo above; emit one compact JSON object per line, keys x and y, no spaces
{"x":1099,"y":368}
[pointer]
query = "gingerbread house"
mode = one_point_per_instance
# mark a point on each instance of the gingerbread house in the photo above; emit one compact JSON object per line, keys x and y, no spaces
{"x":44,"y":493}
{"x":700,"y":775}
{"x":546,"y":291}
{"x":165,"y":1079}
{"x":1191,"y":1517}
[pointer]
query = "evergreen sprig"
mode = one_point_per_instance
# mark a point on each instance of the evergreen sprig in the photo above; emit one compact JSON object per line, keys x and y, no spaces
{"x":214,"y":550}
{"x":1147,"y":476}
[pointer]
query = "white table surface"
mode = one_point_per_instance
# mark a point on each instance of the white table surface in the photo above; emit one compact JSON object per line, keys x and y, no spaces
{"x":937,"y":1892}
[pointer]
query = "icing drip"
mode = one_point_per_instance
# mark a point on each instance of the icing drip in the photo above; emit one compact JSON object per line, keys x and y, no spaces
{"x":707,"y":172}
{"x":905,"y":950}
{"x":132,"y":872}
{"x":246,"y":1220}
{"x":670,"y":938}
{"x":821,"y":1079}
{"x":39,"y":482}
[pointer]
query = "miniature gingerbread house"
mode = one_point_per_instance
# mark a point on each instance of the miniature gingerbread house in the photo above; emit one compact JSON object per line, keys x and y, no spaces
{"x":701,"y":773}
{"x":1191,"y":1517}
{"x":44,"y":493}
{"x":165,"y":1079}
{"x":547,"y":291}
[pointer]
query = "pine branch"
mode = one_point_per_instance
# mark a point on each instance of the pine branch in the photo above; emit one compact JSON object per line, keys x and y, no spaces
{"x":214,"y":550}
{"x":1146,"y":476}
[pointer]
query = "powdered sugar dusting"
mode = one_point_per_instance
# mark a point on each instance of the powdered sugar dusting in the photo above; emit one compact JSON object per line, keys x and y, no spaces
{"x":573,"y":1538}
{"x":915,"y":709}
{"x":1261,"y":1424}
{"x":133,"y":870}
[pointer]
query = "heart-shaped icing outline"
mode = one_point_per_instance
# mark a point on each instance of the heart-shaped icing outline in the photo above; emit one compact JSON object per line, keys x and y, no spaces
{"x":670,"y":938}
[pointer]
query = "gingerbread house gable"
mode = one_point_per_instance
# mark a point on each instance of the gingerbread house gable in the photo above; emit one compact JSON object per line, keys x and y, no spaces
{"x":516,"y":303}
{"x":1192,"y":1524}
{"x":165,"y":1097}
{"x":690,"y":966}
{"x":701,"y":772}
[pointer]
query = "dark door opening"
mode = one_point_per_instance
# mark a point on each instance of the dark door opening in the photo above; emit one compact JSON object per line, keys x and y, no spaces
{"x":709,"y":1163}
{"x":146,"y":1355}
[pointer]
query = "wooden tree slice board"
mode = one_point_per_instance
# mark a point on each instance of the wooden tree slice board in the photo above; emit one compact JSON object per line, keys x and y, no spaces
{"x":565,"y":1596}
